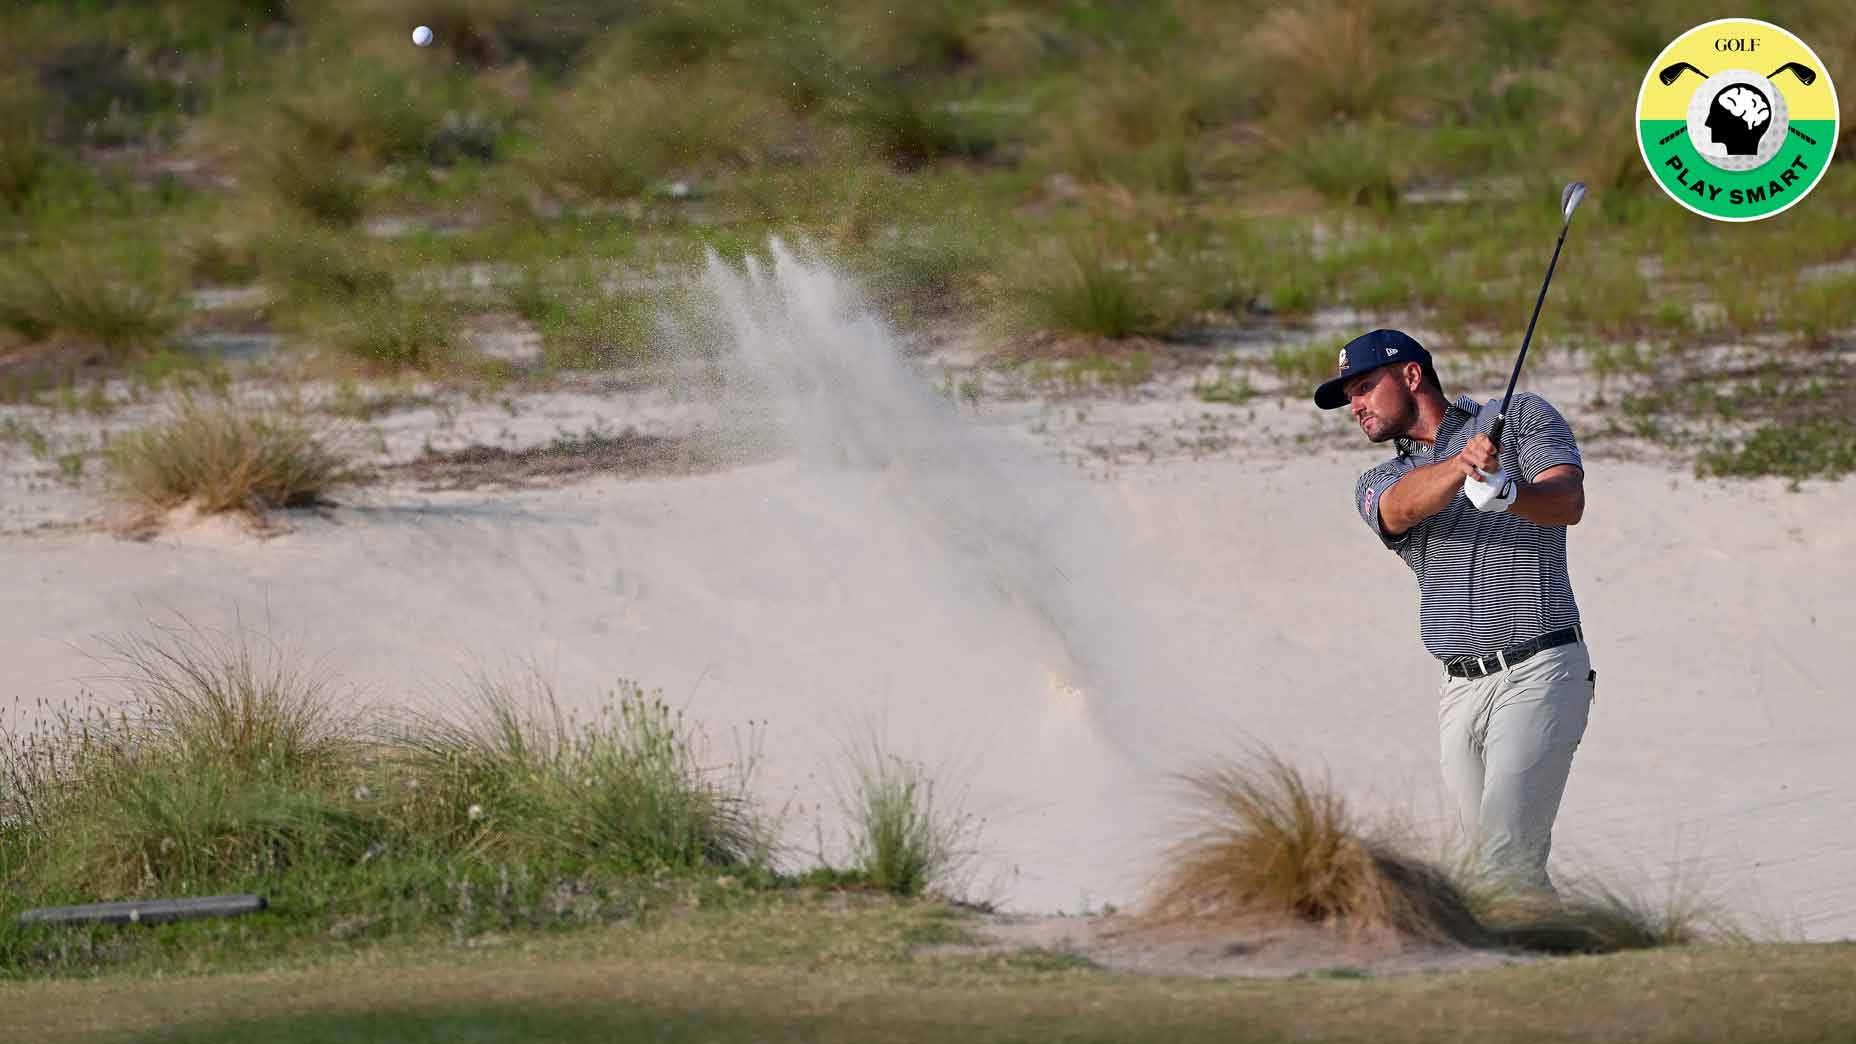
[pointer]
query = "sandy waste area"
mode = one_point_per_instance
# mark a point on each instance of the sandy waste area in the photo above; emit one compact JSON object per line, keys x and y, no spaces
{"x":1059,"y":601}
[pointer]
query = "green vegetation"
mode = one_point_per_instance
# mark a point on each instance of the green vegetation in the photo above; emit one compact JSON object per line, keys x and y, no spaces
{"x":1095,"y":171}
{"x":1092,"y":293}
{"x":86,"y":301}
{"x":905,"y":837}
{"x":222,"y":456}
{"x":513,"y":777}
{"x":233,"y":767}
{"x":1795,"y":448}
{"x":792,"y":968}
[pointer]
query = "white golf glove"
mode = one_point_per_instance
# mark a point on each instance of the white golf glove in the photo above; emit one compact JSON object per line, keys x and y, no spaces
{"x":1494,"y":493}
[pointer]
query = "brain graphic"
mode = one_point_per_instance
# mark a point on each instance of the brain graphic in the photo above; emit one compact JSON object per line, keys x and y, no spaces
{"x":1747,"y":105}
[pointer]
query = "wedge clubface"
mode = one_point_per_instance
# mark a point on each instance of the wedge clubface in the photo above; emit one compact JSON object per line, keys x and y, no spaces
{"x":1806,"y":75}
{"x":1570,"y":198}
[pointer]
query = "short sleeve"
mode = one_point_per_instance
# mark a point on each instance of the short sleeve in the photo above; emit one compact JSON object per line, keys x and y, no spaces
{"x":1370,"y":488}
{"x":1543,"y":439}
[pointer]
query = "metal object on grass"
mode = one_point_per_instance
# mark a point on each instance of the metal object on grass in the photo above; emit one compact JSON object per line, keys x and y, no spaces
{"x":146,"y":911}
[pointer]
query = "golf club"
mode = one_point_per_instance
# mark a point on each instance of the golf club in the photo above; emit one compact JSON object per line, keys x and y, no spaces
{"x":1674,"y":72}
{"x":1804,"y":73}
{"x":1570,"y":197}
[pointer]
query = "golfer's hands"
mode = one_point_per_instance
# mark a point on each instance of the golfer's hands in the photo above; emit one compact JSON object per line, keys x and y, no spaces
{"x":1493,"y":492}
{"x":1477,"y":457}
{"x":1484,"y":482}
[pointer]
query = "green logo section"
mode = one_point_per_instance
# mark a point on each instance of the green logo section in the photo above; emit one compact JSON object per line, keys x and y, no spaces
{"x":1737,"y":195}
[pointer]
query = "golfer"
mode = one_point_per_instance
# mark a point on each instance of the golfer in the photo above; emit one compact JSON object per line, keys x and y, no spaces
{"x":1495,"y":603}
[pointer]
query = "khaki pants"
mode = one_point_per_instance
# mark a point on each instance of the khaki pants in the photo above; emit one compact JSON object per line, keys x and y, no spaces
{"x":1508,"y":740}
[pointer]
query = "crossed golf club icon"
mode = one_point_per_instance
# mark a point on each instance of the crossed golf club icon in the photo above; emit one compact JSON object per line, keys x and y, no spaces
{"x":1670,"y":74}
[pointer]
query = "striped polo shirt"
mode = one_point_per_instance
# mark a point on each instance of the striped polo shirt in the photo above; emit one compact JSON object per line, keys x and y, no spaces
{"x":1486,"y":581}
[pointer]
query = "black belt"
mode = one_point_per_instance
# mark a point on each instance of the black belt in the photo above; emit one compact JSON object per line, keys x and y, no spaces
{"x":1481,"y":666}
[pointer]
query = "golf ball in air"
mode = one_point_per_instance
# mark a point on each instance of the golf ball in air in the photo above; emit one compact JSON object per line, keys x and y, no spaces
{"x":422,"y":36}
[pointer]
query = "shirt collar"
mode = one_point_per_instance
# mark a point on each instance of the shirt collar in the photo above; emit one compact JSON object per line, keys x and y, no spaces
{"x":1456,"y":414}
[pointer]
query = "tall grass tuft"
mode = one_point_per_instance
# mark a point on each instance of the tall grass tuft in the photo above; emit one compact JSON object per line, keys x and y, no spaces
{"x":911,"y":127}
{"x":78,"y":296}
{"x":322,"y":186}
{"x":905,"y":837}
{"x":1266,"y":839}
{"x":1091,"y":294}
{"x":1593,"y":914}
{"x":512,"y":775}
{"x":226,"y":761}
{"x":381,"y":328}
{"x":1352,"y":165}
{"x":225,"y":457}
{"x":1337,"y":60}
{"x":26,"y":161}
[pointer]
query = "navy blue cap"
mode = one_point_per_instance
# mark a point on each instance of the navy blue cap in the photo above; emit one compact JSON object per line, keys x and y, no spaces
{"x":1370,"y":351}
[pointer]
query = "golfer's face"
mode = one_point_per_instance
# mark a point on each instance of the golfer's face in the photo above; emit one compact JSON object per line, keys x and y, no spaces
{"x":1378,"y":403}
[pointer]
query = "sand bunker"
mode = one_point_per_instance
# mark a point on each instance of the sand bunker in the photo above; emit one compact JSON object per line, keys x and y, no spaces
{"x":869,"y":557}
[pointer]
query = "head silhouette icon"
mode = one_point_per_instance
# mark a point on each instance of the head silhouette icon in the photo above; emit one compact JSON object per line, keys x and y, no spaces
{"x":1739,"y":117}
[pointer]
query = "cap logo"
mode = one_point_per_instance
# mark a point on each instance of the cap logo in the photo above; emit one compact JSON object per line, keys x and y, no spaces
{"x":1343,"y":360}
{"x":1391,"y":351}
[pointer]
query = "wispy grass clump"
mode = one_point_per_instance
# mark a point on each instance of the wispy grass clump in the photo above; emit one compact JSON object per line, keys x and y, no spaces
{"x":27,"y":163}
{"x":232,"y":764}
{"x":1264,"y":838}
{"x":616,"y":139}
{"x":1596,"y":916}
{"x":512,"y":775}
{"x":586,"y":326}
{"x":1351,"y":165}
{"x":911,"y":128}
{"x":322,"y":186}
{"x":396,"y":331}
{"x":1267,"y":839}
{"x":1093,"y":294}
{"x":222,"y":456}
{"x":87,"y":299}
{"x":314,"y":267}
{"x":906,"y":837}
{"x":1337,"y":60}
{"x":226,"y":760}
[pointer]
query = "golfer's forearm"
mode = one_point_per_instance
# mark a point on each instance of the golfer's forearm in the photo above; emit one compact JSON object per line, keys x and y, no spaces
{"x":1423,"y":492}
{"x":1557,"y":501}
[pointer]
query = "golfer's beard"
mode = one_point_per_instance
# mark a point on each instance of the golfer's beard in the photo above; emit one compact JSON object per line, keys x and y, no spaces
{"x":1395,"y":428}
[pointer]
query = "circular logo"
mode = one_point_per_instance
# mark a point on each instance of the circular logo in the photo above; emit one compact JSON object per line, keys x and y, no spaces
{"x":1729,"y":142}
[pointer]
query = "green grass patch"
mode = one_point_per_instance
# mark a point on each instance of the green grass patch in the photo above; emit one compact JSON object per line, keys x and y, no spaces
{"x":907,"y":834}
{"x":1091,"y":292}
{"x":100,"y":303}
{"x":510,"y":774}
{"x":410,"y":331}
{"x":1308,"y":364}
{"x":230,"y":764}
{"x":1796,"y":448}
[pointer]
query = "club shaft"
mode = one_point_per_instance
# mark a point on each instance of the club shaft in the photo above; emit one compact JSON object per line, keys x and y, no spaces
{"x":1501,"y":418}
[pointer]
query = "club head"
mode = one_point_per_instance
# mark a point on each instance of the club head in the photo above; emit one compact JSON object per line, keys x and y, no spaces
{"x":1805,"y":74}
{"x":1672,"y":73}
{"x":1569,"y":201}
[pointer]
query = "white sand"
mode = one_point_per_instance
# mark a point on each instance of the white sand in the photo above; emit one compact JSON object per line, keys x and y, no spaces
{"x":938,"y":584}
